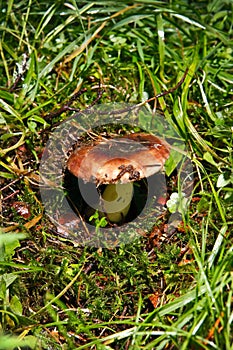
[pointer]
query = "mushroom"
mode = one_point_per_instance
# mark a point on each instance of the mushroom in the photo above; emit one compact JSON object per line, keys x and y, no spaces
{"x":117,"y":163}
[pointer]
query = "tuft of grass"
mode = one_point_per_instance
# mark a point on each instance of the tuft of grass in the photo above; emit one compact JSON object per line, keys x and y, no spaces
{"x":167,"y":290}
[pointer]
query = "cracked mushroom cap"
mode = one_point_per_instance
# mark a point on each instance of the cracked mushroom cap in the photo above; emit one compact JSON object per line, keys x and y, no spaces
{"x":119,"y":160}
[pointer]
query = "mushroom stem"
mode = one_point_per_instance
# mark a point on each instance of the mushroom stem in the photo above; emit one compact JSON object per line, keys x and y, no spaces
{"x":116,"y":201}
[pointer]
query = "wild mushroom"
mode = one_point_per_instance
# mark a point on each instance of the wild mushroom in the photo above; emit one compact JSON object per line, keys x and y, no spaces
{"x":117,"y":163}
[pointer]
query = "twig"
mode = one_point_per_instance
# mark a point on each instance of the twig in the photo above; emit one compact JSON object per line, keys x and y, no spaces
{"x":66,"y":106}
{"x":172,"y":89}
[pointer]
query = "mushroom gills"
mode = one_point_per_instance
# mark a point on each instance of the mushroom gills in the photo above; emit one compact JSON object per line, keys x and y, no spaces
{"x":116,"y":201}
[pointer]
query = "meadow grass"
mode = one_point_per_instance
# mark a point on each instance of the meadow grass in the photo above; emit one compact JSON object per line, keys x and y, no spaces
{"x":161,"y":291}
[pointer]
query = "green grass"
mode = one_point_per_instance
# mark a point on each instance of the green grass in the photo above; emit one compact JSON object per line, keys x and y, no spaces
{"x":55,"y":294}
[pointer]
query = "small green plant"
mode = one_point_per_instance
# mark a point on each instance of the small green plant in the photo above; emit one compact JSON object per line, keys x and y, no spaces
{"x":177,"y":202}
{"x":98,"y":220}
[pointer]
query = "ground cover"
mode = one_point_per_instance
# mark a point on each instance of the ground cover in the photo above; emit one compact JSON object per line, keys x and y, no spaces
{"x":167,"y":289}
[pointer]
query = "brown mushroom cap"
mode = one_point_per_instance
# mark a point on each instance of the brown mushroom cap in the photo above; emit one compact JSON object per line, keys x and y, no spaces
{"x":121,"y":159}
